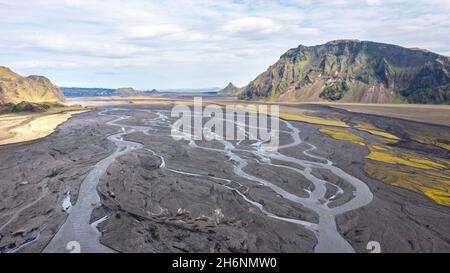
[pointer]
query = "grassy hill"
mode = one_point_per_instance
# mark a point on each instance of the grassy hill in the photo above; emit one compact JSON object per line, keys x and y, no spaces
{"x":37,"y":89}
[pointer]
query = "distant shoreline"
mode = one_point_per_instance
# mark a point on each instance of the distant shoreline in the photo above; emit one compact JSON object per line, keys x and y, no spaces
{"x":424,"y":113}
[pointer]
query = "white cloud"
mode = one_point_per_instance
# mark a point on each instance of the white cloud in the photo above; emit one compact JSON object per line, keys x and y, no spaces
{"x":152,"y":31}
{"x":203,"y":43}
{"x":32,"y":64}
{"x":251,"y":25}
{"x":76,"y":45}
{"x":373,"y":2}
{"x":73,"y":3}
{"x":307,"y":31}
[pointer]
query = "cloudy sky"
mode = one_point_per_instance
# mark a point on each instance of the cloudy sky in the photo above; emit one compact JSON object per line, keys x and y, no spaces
{"x":197,"y":43}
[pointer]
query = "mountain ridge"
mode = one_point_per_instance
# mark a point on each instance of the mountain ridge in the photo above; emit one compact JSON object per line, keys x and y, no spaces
{"x":354,"y":71}
{"x":15,"y":88}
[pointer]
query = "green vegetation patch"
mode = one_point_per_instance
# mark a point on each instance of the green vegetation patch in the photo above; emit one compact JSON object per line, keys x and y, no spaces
{"x":436,"y":95}
{"x":336,"y":91}
{"x":27,"y":107}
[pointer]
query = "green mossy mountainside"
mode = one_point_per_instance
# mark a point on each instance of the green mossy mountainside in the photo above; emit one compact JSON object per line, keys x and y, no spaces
{"x":335,"y":92}
{"x":37,"y":89}
{"x":355,"y":71}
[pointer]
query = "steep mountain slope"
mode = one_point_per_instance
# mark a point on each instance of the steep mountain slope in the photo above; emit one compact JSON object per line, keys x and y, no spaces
{"x":15,"y":88}
{"x":230,"y":89}
{"x":355,"y":71}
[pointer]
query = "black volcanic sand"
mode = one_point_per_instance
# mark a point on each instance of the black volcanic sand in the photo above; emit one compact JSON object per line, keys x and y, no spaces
{"x":152,"y":209}
{"x":36,"y":176}
{"x":401,"y":220}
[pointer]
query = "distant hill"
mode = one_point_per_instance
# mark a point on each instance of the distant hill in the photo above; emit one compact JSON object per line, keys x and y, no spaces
{"x":355,"y":71}
{"x":230,"y":90}
{"x":87,"y":92}
{"x":190,"y":90}
{"x":128,"y":92}
{"x":151,"y":92}
{"x":15,"y":88}
{"x":97,"y":92}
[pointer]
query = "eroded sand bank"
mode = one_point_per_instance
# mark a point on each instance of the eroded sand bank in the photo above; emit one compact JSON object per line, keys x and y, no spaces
{"x":20,"y":128}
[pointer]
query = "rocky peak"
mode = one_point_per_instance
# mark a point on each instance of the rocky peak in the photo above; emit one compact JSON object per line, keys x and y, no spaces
{"x":230,"y":89}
